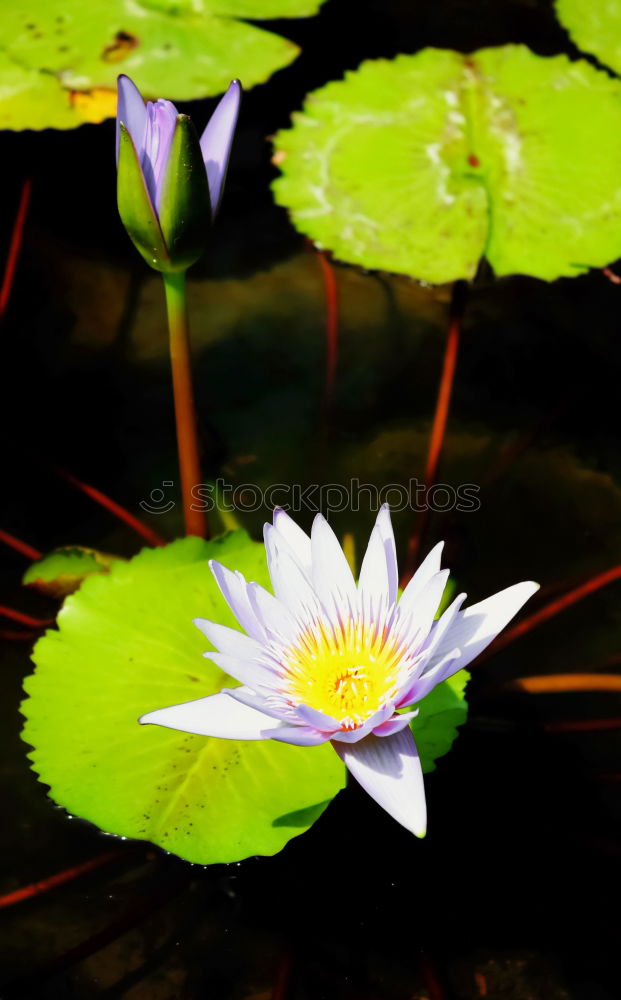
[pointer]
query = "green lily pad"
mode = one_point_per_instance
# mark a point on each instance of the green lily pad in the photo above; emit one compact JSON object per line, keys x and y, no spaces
{"x":125,"y":645}
{"x":594,"y":26}
{"x":61,"y":572}
{"x":58,"y":67}
{"x":441,"y":713}
{"x":426,"y":163}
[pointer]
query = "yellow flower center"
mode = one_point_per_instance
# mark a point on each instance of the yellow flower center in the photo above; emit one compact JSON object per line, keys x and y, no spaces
{"x":348,"y":673}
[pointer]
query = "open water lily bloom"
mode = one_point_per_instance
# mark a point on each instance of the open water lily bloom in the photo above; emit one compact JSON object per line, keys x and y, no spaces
{"x":326,"y":659}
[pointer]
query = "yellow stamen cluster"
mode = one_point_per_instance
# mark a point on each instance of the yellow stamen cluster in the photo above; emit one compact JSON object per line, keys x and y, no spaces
{"x":346,"y":672}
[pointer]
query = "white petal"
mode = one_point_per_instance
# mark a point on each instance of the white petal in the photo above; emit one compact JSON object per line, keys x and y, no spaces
{"x":235,"y":592}
{"x":229,"y":640}
{"x":219,"y":715}
{"x":440,"y":628}
{"x":389,"y":770}
{"x":478,"y":625}
{"x":415,"y":621}
{"x":290,"y":583}
{"x":278,"y":622}
{"x":384,"y":524}
{"x":332,"y":576}
{"x":255,"y":673}
{"x":428,"y":568}
{"x":418,"y":687}
{"x":376,"y":584}
{"x":270,"y":704}
{"x":297,"y":540}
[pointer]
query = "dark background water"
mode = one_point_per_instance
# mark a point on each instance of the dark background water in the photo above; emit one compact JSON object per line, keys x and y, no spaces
{"x":513,"y":892}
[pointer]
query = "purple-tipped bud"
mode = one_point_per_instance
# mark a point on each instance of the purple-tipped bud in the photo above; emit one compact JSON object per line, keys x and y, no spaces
{"x":170,"y":184}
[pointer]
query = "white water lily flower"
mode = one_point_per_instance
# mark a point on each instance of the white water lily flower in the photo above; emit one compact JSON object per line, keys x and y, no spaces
{"x":324,"y":659}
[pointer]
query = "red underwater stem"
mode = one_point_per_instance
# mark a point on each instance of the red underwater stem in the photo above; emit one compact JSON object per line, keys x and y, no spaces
{"x":124,"y":515}
{"x":53,"y":881}
{"x":23,"y":547}
{"x":440,"y":419}
{"x":284,"y":977}
{"x":8,"y":635}
{"x":562,"y":683}
{"x":552,"y":609}
{"x":431,"y":976}
{"x":140,"y":910}
{"x":19,"y":616}
{"x":581,"y":725}
{"x":612,"y":277}
{"x":332,"y":329}
{"x":15,"y":246}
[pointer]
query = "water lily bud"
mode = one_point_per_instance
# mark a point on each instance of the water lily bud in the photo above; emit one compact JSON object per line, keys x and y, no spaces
{"x":170,"y":182}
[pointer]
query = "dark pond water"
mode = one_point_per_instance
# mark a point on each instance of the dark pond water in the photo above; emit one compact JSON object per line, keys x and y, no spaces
{"x":513,"y":893}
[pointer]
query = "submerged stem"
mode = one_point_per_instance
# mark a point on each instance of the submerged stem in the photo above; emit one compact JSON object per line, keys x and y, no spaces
{"x":440,"y":418}
{"x":185,"y":413}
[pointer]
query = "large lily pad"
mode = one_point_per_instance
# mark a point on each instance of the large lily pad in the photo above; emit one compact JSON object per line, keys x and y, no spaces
{"x":424,"y":164}
{"x":595,"y":26}
{"x":58,"y":64}
{"x":125,"y":645}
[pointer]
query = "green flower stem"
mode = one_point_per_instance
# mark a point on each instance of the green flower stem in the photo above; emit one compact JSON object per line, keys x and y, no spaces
{"x":185,"y":413}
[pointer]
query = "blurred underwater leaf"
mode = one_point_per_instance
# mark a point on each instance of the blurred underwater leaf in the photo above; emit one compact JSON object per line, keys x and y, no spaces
{"x":61,"y":572}
{"x":58,"y":67}
{"x":426,"y":163}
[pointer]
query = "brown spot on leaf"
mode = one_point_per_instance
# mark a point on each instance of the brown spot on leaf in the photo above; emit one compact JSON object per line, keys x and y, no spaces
{"x":119,"y":49}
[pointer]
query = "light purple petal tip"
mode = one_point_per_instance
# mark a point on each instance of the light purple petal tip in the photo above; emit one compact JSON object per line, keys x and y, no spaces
{"x":311,"y":717}
{"x":132,"y":112}
{"x":389,"y":770}
{"x":219,"y":715}
{"x":161,"y":124}
{"x":396,"y":724}
{"x":360,"y":732}
{"x":419,"y":687}
{"x":299,"y":736}
{"x":216,"y":142}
